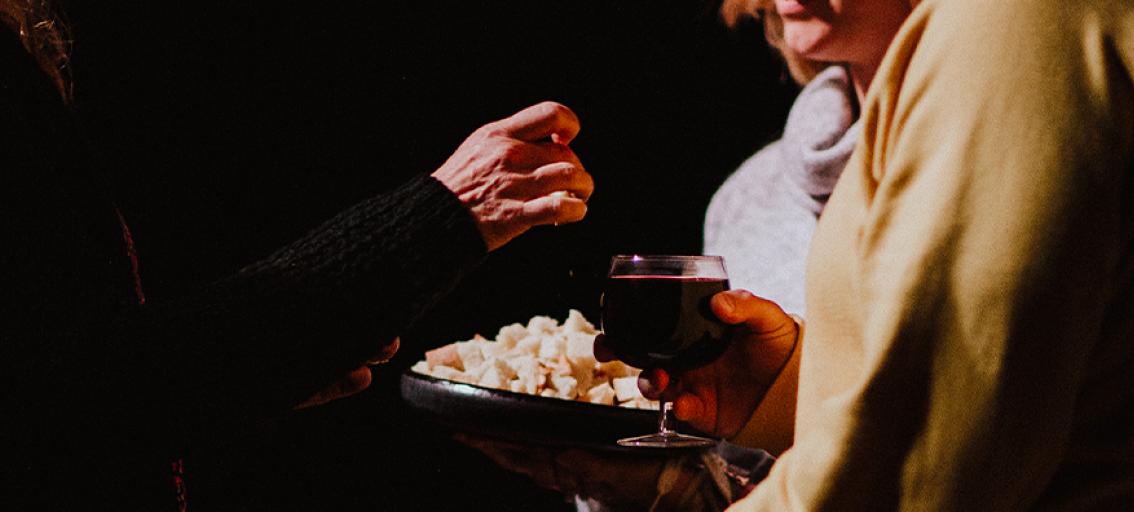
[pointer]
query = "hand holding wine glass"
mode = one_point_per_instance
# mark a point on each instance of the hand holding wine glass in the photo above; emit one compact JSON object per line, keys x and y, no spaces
{"x":719,"y":397}
{"x":655,"y":312}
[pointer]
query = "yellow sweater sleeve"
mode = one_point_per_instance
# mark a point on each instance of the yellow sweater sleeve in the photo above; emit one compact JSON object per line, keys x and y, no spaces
{"x":965,"y":266}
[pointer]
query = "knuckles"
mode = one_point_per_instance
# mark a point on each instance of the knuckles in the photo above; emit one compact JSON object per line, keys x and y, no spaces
{"x":500,"y":154}
{"x":493,"y":130}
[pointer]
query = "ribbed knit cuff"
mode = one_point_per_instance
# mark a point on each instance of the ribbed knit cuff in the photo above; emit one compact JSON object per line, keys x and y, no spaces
{"x":420,"y":232}
{"x":329,"y":301}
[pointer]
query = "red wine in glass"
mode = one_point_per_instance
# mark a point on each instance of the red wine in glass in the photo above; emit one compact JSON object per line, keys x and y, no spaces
{"x":655,"y":313}
{"x":661,"y":320}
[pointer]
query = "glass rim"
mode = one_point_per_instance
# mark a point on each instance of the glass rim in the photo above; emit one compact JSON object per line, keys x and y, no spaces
{"x":689,"y":265}
{"x":664,"y":257}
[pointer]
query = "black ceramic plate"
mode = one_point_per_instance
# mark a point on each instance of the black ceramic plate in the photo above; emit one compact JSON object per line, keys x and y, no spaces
{"x":521,"y":417}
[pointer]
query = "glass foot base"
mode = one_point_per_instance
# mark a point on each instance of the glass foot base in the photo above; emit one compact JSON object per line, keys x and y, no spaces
{"x":667,"y":440}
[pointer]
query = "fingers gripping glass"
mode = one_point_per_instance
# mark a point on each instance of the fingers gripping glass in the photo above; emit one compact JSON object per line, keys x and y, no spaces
{"x":655,"y":313}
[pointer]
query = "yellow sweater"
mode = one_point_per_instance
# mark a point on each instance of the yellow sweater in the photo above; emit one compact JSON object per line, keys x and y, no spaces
{"x":970,"y":340}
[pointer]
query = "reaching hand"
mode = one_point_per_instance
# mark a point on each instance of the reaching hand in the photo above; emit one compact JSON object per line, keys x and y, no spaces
{"x":519,"y":172}
{"x":355,"y":381}
{"x":719,"y":397}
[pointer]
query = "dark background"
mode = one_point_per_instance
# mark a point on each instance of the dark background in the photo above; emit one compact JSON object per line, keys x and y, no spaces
{"x":235,"y":126}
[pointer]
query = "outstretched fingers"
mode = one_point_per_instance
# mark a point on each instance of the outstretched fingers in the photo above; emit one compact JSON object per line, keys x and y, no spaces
{"x":554,"y":177}
{"x":555,"y":208}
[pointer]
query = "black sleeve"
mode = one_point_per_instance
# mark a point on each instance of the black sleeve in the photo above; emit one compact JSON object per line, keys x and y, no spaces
{"x":281,"y":328}
{"x":79,"y":355}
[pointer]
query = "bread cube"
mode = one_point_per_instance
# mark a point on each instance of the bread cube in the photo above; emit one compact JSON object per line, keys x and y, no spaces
{"x":565,"y":387}
{"x":626,"y":388}
{"x":509,"y":335}
{"x":551,"y":347}
{"x":444,"y":356}
{"x":493,"y":378}
{"x":617,"y":369}
{"x":600,"y":394}
{"x":450,"y":373}
{"x":421,"y":367}
{"x":542,"y":325}
{"x":528,"y":346}
{"x":470,"y":354}
{"x":576,"y":322}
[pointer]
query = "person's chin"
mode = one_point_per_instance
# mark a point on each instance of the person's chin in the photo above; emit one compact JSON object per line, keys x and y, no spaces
{"x":806,"y":39}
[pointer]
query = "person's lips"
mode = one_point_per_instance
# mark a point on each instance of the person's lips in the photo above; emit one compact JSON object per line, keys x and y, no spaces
{"x":792,"y":8}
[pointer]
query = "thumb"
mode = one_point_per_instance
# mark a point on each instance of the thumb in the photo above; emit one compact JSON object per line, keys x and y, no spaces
{"x":742,"y":307}
{"x":353,"y":382}
{"x":652,"y":382}
{"x":547,"y":119}
{"x":603,"y":353}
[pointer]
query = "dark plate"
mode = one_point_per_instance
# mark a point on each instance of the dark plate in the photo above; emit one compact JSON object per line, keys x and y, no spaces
{"x":524,"y":418}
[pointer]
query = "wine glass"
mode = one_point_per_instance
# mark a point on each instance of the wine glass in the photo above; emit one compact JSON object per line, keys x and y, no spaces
{"x":655,"y":313}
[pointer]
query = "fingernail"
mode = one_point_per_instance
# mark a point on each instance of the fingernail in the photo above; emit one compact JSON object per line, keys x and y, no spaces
{"x":645,"y":385}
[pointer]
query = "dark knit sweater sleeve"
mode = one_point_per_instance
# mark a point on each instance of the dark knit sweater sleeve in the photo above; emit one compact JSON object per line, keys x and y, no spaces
{"x":74,"y":341}
{"x":281,"y":328}
{"x":99,"y":390}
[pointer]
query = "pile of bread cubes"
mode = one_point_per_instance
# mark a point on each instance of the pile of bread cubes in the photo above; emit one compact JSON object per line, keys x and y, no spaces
{"x":541,"y":358}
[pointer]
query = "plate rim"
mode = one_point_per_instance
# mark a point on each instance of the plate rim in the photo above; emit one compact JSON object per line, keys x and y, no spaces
{"x":469,"y":389}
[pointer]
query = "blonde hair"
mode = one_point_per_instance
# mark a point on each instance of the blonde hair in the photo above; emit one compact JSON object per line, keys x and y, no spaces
{"x":44,"y":36}
{"x":733,"y":11}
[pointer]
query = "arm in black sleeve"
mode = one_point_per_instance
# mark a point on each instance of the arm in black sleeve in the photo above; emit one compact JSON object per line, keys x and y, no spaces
{"x":281,"y":328}
{"x":74,"y":345}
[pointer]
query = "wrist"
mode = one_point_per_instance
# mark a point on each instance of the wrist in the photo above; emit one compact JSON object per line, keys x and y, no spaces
{"x":772,"y":424}
{"x":769,"y":355}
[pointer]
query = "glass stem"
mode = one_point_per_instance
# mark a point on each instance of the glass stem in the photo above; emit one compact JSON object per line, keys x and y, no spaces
{"x":664,"y":410}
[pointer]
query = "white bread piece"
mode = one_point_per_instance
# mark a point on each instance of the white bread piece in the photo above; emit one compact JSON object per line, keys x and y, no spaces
{"x":444,"y":356}
{"x":600,"y":394}
{"x":450,"y":373}
{"x":566,"y":387}
{"x":470,"y":354}
{"x":639,"y":403}
{"x":551,"y":347}
{"x":617,"y":369}
{"x":509,"y":335}
{"x":492,"y":378}
{"x":576,"y":322}
{"x":496,"y":349}
{"x":580,"y":348}
{"x":529,"y":374}
{"x":529,"y":346}
{"x":503,"y":368}
{"x":421,"y":367}
{"x":626,"y":388}
{"x":542,"y":325}
{"x":477,"y":372}
{"x":561,"y":367}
